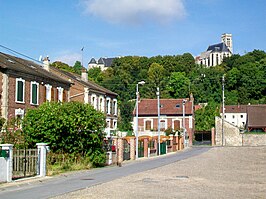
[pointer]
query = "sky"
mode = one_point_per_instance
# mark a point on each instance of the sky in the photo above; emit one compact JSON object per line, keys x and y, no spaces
{"x":110,"y":28}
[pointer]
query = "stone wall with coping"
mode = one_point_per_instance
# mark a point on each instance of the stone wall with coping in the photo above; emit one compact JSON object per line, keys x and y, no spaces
{"x":233,"y":137}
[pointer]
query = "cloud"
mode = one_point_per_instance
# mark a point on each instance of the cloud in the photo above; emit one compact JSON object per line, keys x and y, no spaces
{"x":135,"y":12}
{"x":68,"y":58}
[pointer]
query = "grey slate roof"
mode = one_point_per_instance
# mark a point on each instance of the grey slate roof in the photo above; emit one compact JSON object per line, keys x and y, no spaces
{"x":92,"y":61}
{"x":13,"y":63}
{"x":106,"y":61}
{"x":221,"y":47}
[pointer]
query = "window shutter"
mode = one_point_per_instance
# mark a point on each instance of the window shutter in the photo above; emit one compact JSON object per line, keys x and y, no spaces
{"x":148,"y":125}
{"x":20,"y":91}
{"x":34,"y":94}
{"x":176,"y":125}
{"x":52,"y":94}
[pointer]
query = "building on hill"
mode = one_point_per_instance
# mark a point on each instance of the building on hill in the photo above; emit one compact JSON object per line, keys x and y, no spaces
{"x":86,"y":91}
{"x":25,"y":85}
{"x":215,"y":54}
{"x":102,"y":63}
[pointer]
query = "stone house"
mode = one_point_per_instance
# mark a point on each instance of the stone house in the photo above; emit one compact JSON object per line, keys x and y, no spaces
{"x":25,"y":84}
{"x":171,"y":116}
{"x":86,"y":91}
{"x":215,"y":54}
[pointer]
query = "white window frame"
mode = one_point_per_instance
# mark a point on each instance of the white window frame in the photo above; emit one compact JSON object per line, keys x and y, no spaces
{"x":60,"y":92}
{"x":108,"y":123}
{"x":31,"y":84}
{"x":151,"y":120}
{"x":101,"y":104}
{"x":94,"y":101}
{"x":173,"y":123}
{"x":48,"y":91}
{"x":108,"y":101}
{"x":115,"y":106}
{"x":114,"y":124}
{"x":22,"y":80}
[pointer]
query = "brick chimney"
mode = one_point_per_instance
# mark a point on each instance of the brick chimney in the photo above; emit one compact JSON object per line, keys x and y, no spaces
{"x":46,"y":63}
{"x":84,"y":75}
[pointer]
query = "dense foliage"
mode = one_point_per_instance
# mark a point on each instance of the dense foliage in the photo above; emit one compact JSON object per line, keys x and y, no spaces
{"x":71,"y":128}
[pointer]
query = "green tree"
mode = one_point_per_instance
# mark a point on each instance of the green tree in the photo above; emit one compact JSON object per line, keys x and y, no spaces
{"x":72,"y":128}
{"x":205,"y":117}
{"x":178,"y":85}
{"x":77,"y":67}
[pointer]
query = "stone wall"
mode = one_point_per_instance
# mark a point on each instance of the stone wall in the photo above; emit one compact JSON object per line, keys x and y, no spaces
{"x":233,"y":137}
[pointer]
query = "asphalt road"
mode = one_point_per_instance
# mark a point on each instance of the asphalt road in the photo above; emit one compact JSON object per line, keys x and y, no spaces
{"x":79,"y":180}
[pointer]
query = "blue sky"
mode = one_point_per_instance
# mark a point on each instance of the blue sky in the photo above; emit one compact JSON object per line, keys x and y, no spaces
{"x":109,"y":28}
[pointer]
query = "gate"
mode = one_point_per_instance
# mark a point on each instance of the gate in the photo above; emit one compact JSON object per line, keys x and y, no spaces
{"x":141,"y":149}
{"x":163,"y":148}
{"x":126,"y":152}
{"x":25,"y":163}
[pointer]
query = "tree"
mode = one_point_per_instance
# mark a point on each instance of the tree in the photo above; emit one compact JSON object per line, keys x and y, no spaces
{"x":77,"y":67}
{"x":205,"y":117}
{"x":72,"y":128}
{"x":178,"y":85}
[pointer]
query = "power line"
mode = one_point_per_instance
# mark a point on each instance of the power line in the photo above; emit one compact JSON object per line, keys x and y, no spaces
{"x":21,"y":54}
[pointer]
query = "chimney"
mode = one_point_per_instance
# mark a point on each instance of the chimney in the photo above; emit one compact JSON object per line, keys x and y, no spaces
{"x":46,"y":63}
{"x":84,"y":75}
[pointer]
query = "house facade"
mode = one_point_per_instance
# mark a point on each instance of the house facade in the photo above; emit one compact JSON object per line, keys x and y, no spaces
{"x":236,"y":115}
{"x":171,"y":116}
{"x":85,"y":91}
{"x":25,"y":85}
{"x":215,"y":54}
{"x":102,"y":63}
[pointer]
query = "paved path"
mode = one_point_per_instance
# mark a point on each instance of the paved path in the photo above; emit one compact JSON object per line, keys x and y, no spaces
{"x":230,"y":172}
{"x":47,"y":188}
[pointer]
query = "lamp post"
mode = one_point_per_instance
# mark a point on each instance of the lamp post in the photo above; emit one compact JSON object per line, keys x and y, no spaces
{"x":223,"y":112}
{"x":158,"y":102}
{"x":137,"y":115}
{"x":184,"y":128}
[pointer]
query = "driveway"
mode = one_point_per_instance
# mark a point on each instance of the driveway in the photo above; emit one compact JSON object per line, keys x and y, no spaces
{"x":221,"y":172}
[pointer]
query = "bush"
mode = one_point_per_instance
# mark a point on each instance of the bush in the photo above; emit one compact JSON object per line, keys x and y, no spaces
{"x":72,"y":128}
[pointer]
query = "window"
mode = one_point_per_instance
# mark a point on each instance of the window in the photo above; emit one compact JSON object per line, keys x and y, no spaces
{"x":241,"y":116}
{"x":108,"y":101}
{"x":20,"y":90}
{"x":176,"y":125}
{"x":60,"y":94}
{"x":115,"y":124}
{"x":115,"y":106}
{"x":34,"y":93}
{"x":48,"y":91}
{"x":162,"y":125}
{"x":233,"y":116}
{"x":148,"y":125}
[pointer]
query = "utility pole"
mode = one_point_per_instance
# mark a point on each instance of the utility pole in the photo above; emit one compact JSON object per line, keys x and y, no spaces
{"x":223,"y":113}
{"x":82,"y":56}
{"x":158,"y":102}
{"x":184,"y":124}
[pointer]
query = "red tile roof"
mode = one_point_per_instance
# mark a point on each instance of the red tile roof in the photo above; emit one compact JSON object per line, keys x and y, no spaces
{"x":168,"y":107}
{"x":235,"y":109}
{"x":257,"y":116}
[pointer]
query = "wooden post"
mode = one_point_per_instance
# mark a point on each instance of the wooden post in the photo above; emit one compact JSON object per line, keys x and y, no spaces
{"x":146,"y":142}
{"x":213,"y":137}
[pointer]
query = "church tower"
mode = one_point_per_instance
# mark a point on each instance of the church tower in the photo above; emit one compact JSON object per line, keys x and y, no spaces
{"x":227,"y":39}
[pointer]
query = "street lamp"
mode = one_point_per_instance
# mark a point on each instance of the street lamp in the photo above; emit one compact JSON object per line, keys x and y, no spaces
{"x":184,"y":127}
{"x":137,"y":115}
{"x":158,"y":102}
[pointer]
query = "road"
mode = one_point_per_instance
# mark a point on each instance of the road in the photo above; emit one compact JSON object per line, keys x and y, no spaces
{"x":80,"y":180}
